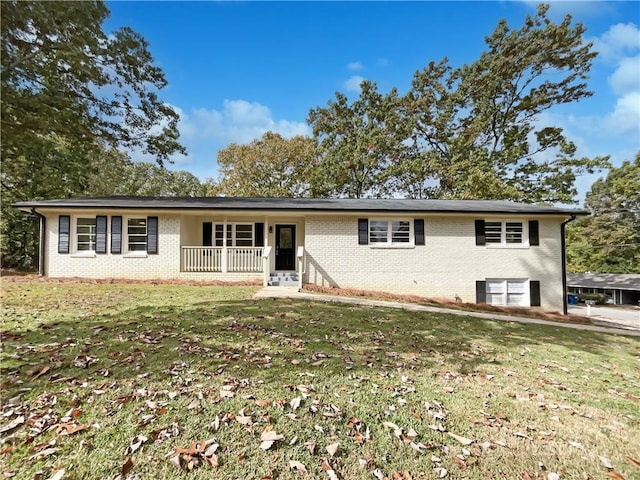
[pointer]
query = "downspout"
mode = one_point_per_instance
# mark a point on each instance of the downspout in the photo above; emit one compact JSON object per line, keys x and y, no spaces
{"x":565,"y":306}
{"x":41,"y":246}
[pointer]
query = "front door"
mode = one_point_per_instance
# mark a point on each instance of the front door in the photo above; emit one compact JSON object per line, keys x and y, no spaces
{"x":285,"y":247}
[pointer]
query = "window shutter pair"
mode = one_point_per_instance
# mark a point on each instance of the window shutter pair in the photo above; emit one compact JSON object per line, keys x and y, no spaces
{"x":363,"y":231}
{"x":64,"y":234}
{"x":534,"y":292}
{"x":534,"y":233}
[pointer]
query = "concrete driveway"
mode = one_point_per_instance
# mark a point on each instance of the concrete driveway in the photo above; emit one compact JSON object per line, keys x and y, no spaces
{"x":618,"y":316}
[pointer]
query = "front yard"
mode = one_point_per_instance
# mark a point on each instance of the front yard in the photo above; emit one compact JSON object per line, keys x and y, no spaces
{"x":161,"y":381}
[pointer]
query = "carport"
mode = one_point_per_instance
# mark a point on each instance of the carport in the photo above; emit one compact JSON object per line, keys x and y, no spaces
{"x":620,"y":288}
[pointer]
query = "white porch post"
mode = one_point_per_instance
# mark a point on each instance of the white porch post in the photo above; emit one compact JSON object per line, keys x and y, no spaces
{"x":266,"y":261}
{"x":225,"y":255}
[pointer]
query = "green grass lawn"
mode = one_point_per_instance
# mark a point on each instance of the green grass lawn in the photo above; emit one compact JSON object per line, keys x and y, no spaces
{"x":103,"y":380}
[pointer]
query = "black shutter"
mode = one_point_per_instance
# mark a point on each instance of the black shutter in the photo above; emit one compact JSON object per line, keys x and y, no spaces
{"x":64,"y":228}
{"x":101,"y":234}
{"x":363,"y":231}
{"x":480,"y":239}
{"x":152,"y":235}
{"x":418,"y":228}
{"x":481,"y":291}
{"x":534,"y":233}
{"x":116,"y":234}
{"x":258,"y":235}
{"x":207,"y":234}
{"x":534,"y":290}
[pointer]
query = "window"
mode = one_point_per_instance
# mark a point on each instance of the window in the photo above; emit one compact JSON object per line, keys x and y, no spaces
{"x":86,"y":234}
{"x":390,"y":232}
{"x":509,"y":292}
{"x":137,"y":234}
{"x":504,"y":233}
{"x":238,"y":234}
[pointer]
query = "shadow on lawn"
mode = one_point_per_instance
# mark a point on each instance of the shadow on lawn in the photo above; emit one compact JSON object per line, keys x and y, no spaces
{"x":267,"y":339}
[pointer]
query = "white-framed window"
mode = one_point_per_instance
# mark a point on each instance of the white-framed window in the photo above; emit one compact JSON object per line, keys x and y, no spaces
{"x":86,"y":234}
{"x":238,"y":234}
{"x":504,"y":233}
{"x":137,"y":234}
{"x":508,"y":292}
{"x":390,"y":232}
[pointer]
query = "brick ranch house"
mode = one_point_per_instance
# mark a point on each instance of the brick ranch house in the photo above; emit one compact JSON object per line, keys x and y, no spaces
{"x":495,"y":252}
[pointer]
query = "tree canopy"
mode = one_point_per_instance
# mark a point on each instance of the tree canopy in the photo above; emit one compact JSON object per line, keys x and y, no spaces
{"x":272,"y":166}
{"x":72,"y":96}
{"x":468,"y":132}
{"x":608,"y":241}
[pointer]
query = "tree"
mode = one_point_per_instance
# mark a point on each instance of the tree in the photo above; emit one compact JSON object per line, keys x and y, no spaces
{"x":272,"y":166}
{"x":71,"y":94}
{"x":63,"y":76}
{"x":148,"y":179}
{"x":467,"y":132}
{"x":608,"y":241}
{"x":358,"y":142}
{"x":477,"y":123}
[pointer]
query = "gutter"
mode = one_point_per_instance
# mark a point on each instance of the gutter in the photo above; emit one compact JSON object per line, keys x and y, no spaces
{"x":41,"y":242}
{"x":565,"y":306}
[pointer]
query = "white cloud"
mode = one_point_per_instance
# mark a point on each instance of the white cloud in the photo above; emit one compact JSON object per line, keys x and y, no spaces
{"x":620,"y":40}
{"x":626,"y":77}
{"x":355,"y":66}
{"x":239,"y":121}
{"x":353,"y":83}
{"x":625,"y":118}
{"x":382,"y":62}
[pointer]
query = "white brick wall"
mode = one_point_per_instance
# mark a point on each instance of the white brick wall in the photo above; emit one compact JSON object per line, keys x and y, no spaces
{"x":447,"y":266}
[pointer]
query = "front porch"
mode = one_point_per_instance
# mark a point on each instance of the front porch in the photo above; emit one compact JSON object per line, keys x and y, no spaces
{"x":229,"y":247}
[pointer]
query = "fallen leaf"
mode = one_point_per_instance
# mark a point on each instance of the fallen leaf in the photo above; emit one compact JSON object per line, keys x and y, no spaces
{"x":462,"y":440}
{"x":58,"y":475}
{"x":326,"y":466}
{"x":295,"y":403}
{"x":135,"y":444}
{"x":616,"y":475}
{"x":16,"y":422}
{"x":296,"y":465}
{"x":126,"y":468}
{"x":606,"y":462}
{"x":333,"y":448}
{"x":268,"y":438}
{"x":441,"y":472}
{"x":633,"y":461}
{"x":43,"y":453}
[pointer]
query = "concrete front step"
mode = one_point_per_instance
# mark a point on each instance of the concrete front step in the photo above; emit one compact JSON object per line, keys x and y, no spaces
{"x":283,"y":279}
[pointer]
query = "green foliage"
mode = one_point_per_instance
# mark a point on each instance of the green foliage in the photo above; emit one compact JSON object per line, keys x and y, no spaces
{"x":148,"y":179}
{"x":358,"y":143}
{"x":270,"y":167}
{"x":599,"y":298}
{"x":72,"y":94}
{"x":468,"y":132}
{"x":609,"y":240}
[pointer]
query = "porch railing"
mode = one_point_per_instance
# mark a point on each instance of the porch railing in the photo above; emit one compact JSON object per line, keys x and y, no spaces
{"x":244,"y":259}
{"x":213,"y":259}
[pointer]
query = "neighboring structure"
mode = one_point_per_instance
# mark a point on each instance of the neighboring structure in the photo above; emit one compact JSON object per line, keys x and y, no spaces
{"x":494,"y":252}
{"x":620,"y":288}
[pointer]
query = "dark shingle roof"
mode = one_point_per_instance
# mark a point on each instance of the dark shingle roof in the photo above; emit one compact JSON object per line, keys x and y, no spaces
{"x":301,"y":204}
{"x":623,"y":281}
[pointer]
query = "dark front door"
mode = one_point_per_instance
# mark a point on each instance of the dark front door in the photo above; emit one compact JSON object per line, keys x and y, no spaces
{"x":285,"y":247}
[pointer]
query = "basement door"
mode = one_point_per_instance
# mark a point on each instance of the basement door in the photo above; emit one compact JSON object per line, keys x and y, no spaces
{"x":285,"y":247}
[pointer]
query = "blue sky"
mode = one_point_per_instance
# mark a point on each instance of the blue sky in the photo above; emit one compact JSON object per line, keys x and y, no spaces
{"x":238,"y":69}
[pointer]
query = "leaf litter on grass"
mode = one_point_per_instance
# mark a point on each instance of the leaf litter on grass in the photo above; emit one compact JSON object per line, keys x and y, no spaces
{"x":371,"y":394}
